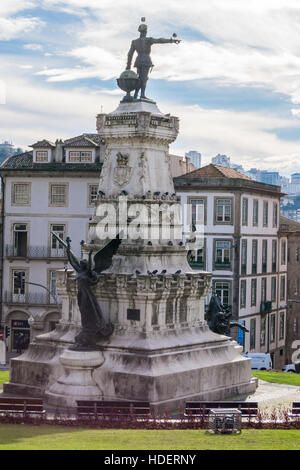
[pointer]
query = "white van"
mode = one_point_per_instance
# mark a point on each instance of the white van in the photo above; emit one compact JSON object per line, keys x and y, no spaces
{"x":260,"y":361}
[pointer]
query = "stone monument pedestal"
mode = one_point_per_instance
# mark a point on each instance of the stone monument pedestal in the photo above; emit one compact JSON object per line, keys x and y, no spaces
{"x":77,"y":381}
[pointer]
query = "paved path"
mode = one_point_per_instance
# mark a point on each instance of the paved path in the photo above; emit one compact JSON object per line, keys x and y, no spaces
{"x":271,"y":395}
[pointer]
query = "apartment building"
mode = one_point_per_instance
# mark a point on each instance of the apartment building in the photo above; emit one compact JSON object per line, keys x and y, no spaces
{"x":237,"y":229}
{"x":291,"y":230}
{"x":49,"y":189}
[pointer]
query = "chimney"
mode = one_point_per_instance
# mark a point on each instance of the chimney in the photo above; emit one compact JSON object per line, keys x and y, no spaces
{"x":59,"y":150}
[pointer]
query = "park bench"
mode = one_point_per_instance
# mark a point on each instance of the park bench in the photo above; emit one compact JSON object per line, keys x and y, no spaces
{"x":295,"y":409}
{"x":201,"y":409}
{"x":26,"y":406}
{"x":114,"y":409}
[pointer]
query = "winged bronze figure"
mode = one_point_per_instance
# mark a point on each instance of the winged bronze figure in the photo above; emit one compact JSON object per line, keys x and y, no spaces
{"x":93,"y":324}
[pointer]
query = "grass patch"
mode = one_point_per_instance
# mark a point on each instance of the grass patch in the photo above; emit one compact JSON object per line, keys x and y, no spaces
{"x":286,"y":378}
{"x":25,"y":437}
{"x":4,"y":377}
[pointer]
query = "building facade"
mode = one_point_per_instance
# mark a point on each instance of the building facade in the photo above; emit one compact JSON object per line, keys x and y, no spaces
{"x":45,"y":192}
{"x":291,"y":230}
{"x":242,"y":247}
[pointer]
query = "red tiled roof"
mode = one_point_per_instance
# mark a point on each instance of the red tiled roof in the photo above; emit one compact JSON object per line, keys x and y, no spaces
{"x":216,"y":171}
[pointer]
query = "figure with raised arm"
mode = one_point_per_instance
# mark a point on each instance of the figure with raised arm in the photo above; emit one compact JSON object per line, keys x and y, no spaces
{"x":94,"y":326}
{"x":143,"y":62}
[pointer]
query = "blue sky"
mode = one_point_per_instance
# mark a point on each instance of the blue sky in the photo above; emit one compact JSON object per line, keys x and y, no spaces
{"x":234,"y":81}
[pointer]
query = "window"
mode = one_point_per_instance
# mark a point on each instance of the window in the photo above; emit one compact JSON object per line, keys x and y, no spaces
{"x":295,"y":326}
{"x":222,"y":254}
{"x":253,"y":292}
{"x":296,"y":286}
{"x":52,"y":285}
{"x":20,"y":240}
{"x":263,"y":289}
{"x":93,"y":192}
{"x":274,"y":256}
{"x":281,"y":326}
{"x":83,"y":156}
{"x":273,"y":328}
{"x":224,"y":210}
{"x":255,"y":212}
{"x":21,"y":193}
{"x":275,"y":214}
{"x":252,"y":333}
{"x":42,"y":156}
{"x":282,"y":288}
{"x":254,"y":256}
{"x":197,"y":259}
{"x":244,"y":257}
{"x":263,"y":322}
{"x":264,"y":255}
{"x":197,"y":211}
{"x":283,"y":251}
{"x":266,"y":214}
{"x":58,"y":194}
{"x":18,"y":285}
{"x":245,"y":212}
{"x":243,"y":294}
{"x":222,"y":289}
{"x":273,"y":289}
{"x":57,"y":248}
{"x":297,"y":254}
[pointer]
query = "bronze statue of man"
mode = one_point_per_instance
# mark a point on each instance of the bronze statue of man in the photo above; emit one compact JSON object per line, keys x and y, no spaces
{"x":143,"y":62}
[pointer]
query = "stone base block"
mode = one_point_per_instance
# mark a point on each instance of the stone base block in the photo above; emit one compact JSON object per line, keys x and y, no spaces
{"x":76,"y":382}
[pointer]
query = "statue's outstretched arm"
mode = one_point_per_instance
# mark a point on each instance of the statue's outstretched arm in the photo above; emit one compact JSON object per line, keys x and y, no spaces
{"x":164,"y":41}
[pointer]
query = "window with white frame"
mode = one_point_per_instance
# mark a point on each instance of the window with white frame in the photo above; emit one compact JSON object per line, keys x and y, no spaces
{"x":222,"y":253}
{"x":243,"y":293}
{"x":273,"y":328}
{"x":93,"y":192}
{"x":254,"y":256}
{"x":58,"y":194}
{"x":282,"y":288}
{"x":273,"y":289}
{"x":244,"y":257}
{"x":80,"y":156}
{"x":21,"y":193}
{"x":252,"y":333}
{"x":41,"y":155}
{"x":224,"y":210}
{"x":263,"y":323}
{"x":266,"y":213}
{"x":57,"y":249}
{"x":245,"y":212}
{"x":263,"y":289}
{"x":275,"y":214}
{"x":253,"y":292}
{"x":255,"y":212}
{"x":283,"y":251}
{"x":197,"y":211}
{"x":281,"y":326}
{"x":222,"y":290}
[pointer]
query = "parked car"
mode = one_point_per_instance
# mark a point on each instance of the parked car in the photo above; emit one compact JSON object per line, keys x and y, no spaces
{"x":260,"y":361}
{"x":289,"y":368}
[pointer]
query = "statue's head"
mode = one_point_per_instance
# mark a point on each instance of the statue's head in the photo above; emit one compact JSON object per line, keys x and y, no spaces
{"x":83,"y":264}
{"x":143,"y":27}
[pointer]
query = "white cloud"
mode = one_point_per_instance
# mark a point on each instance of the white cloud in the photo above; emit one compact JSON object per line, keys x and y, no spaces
{"x":33,"y":47}
{"x":11,"y":28}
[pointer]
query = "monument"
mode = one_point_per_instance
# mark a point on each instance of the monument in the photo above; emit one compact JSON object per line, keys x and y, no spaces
{"x":133,"y":323}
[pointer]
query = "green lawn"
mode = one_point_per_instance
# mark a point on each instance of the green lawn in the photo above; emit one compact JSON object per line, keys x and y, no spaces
{"x":4,"y":377}
{"x":23,"y":437}
{"x":287,"y":378}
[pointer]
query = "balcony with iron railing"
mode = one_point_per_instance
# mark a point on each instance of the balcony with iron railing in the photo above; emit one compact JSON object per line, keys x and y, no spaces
{"x":34,"y":252}
{"x":30,"y":298}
